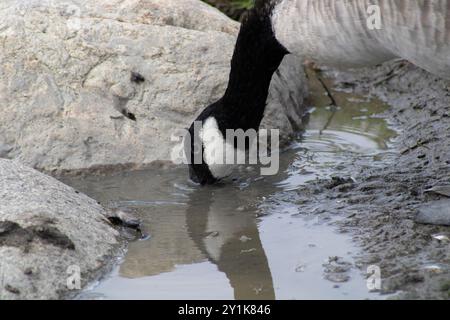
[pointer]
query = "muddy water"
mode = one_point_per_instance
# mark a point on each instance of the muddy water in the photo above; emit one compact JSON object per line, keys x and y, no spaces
{"x":246,"y":239}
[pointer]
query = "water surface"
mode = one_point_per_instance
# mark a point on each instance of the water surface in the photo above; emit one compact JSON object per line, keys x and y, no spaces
{"x":247,"y":238}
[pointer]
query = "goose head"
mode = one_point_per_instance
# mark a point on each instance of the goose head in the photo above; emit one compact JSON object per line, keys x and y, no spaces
{"x":257,"y":55}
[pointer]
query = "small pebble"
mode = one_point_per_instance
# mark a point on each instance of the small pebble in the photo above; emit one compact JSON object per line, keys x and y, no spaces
{"x":441,"y":237}
{"x":440,"y":190}
{"x":435,"y":213}
{"x":337,"y":277}
{"x":434,"y":269}
{"x":300,"y":268}
{"x":248,"y":251}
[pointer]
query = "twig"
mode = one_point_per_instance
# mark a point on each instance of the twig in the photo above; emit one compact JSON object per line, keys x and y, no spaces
{"x":393,"y":73}
{"x":419,"y":143}
{"x":334,"y":105}
{"x":330,"y":95}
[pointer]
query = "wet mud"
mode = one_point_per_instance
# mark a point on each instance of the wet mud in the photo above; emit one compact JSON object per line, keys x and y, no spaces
{"x":384,"y":205}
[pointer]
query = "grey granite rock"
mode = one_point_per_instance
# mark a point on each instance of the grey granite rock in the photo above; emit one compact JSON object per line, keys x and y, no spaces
{"x":72,"y":69}
{"x":48,"y":231}
{"x":437,"y":213}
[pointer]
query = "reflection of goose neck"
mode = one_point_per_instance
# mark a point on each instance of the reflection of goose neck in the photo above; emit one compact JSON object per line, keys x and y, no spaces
{"x":217,"y":233}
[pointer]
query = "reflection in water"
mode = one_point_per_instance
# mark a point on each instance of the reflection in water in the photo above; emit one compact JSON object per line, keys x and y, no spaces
{"x":195,"y":225}
{"x":229,"y":240}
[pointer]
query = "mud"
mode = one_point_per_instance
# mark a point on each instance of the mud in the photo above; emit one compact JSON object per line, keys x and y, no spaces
{"x":383,"y":198}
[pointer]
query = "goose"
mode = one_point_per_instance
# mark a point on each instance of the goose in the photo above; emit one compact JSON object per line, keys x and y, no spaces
{"x":335,"y":33}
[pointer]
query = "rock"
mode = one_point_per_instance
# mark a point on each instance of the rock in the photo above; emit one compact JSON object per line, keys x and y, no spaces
{"x":441,"y":237}
{"x":48,"y":229}
{"x":436,"y":213}
{"x":337,"y":277}
{"x":245,"y":239}
{"x":336,"y":269}
{"x":68,"y":96}
{"x":440,"y":190}
{"x":120,"y":217}
{"x":339,"y":181}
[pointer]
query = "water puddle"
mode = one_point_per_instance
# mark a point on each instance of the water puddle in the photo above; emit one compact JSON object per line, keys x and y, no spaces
{"x":245,"y":239}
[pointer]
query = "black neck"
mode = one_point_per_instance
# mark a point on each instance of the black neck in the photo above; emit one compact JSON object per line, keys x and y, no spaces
{"x":256,"y":57}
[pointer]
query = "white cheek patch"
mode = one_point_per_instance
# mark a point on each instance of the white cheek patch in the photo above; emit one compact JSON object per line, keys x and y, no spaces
{"x":216,"y":149}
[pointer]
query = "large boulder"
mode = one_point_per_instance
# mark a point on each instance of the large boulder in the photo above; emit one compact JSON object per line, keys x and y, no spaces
{"x":66,"y":70}
{"x":49,"y":233}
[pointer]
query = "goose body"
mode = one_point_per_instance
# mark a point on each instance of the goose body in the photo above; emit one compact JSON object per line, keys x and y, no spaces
{"x":337,"y":32}
{"x":330,"y":32}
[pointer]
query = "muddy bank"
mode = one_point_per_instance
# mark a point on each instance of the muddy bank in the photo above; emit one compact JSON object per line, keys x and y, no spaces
{"x":382,"y":201}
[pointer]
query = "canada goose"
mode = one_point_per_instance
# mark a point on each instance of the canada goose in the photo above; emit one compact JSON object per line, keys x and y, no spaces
{"x":337,"y":33}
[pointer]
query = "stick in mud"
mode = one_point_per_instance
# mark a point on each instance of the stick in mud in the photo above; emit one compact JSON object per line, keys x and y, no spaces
{"x":334,"y":105}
